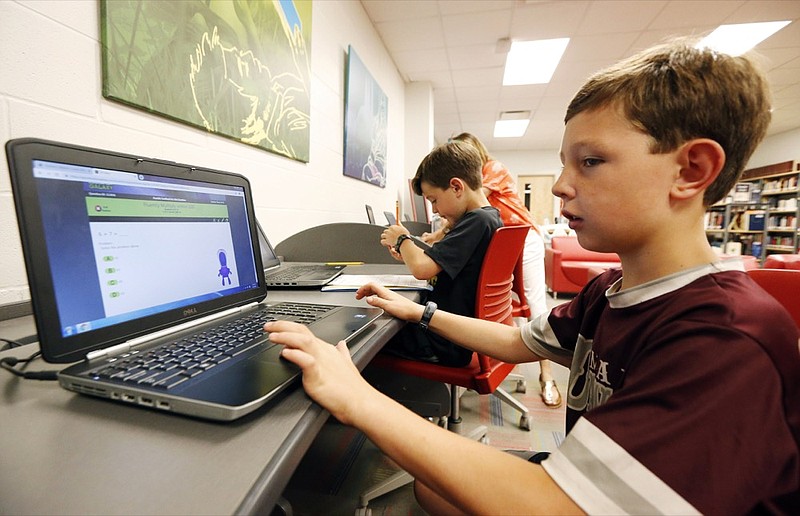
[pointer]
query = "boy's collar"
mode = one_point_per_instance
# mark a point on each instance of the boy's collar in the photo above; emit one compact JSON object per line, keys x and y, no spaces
{"x":652,"y":289}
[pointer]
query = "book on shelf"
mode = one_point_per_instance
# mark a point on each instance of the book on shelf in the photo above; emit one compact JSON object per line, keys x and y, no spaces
{"x":353,"y":282}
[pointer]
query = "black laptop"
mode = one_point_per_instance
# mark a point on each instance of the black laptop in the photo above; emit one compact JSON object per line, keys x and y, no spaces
{"x":148,"y":274}
{"x":280,"y":274}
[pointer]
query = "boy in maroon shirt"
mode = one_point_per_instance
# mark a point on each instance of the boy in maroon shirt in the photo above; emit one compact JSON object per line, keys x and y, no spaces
{"x":684,"y":395}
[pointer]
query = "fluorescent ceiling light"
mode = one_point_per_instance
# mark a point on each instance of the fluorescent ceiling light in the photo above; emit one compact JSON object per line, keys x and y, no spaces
{"x":738,"y":39}
{"x":533,"y":62}
{"x":510,"y":128}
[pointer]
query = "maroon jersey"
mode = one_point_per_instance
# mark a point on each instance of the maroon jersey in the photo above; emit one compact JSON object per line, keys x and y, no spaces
{"x":683,"y":396}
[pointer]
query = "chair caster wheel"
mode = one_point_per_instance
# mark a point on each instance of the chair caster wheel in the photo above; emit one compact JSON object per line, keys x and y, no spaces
{"x":522,"y":386}
{"x":525,"y":422}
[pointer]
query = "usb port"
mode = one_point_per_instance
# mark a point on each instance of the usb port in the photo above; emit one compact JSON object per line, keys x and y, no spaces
{"x":164,"y":405}
{"x":129,"y":398}
{"x":146,"y":401}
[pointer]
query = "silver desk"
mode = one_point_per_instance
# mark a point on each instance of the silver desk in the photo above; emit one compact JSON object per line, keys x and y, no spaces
{"x":63,"y":453}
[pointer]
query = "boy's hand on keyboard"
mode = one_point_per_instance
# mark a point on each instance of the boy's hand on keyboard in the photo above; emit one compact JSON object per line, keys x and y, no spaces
{"x":329,"y":375}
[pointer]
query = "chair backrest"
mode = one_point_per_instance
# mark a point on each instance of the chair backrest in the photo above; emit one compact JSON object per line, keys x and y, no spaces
{"x":493,"y":300}
{"x":783,"y":285}
{"x":782,"y":261}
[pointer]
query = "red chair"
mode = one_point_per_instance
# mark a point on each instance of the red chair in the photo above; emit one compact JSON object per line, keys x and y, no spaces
{"x":783,"y":285}
{"x":567,"y":265}
{"x":493,"y":303}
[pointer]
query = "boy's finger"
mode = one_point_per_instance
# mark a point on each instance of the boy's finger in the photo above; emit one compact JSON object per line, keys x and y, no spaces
{"x":298,"y":357}
{"x":286,"y":326}
{"x":341,"y":347}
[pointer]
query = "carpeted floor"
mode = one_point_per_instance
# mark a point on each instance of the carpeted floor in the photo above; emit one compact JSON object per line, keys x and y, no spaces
{"x":342,"y":463}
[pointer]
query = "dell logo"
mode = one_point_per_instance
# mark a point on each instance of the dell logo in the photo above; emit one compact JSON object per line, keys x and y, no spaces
{"x":189,"y":311}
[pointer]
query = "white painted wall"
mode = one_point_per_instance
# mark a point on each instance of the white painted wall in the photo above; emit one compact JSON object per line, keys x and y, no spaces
{"x":775,"y":149}
{"x":50,"y":87}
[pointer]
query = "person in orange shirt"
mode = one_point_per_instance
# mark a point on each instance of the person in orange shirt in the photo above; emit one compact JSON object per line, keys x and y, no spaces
{"x":501,"y":190}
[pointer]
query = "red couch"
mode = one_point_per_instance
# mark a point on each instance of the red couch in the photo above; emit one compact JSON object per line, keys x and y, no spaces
{"x":782,"y":261}
{"x":567,"y":264}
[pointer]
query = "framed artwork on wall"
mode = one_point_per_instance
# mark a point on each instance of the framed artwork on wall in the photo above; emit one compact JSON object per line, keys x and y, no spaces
{"x":238,"y":69}
{"x":366,"y":114}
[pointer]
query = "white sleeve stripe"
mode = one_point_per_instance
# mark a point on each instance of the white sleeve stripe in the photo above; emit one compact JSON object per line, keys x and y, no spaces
{"x":578,"y":487}
{"x":538,"y":336}
{"x":612,"y":470}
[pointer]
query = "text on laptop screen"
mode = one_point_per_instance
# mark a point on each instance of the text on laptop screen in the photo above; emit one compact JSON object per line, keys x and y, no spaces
{"x":124,"y":245}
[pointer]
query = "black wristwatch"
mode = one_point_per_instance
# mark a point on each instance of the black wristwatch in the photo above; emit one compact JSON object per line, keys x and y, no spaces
{"x":402,"y":238}
{"x":430,"y":307}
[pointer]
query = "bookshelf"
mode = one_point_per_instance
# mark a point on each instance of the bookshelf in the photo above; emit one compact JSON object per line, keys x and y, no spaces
{"x":759,"y":216}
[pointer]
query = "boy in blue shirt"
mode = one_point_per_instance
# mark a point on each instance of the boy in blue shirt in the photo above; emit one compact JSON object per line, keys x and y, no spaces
{"x":450,"y":178}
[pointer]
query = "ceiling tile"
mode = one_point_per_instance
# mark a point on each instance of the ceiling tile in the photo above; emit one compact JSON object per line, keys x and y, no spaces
{"x":711,"y":12}
{"x":548,"y":20}
{"x":475,"y":56}
{"x":381,"y":10}
{"x":469,"y":29}
{"x":403,"y":35}
{"x":607,"y":17}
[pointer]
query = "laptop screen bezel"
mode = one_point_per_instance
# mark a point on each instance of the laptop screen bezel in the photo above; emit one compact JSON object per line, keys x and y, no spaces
{"x":55,"y":347}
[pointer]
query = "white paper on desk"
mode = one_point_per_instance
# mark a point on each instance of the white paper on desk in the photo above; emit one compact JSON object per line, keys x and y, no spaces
{"x":390,"y":281}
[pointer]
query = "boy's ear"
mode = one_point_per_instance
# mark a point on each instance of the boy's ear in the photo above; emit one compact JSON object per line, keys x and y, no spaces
{"x":701,"y":161}
{"x":457,"y":185}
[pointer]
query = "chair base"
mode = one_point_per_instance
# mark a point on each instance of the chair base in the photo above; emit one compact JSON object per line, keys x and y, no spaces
{"x":525,"y":418}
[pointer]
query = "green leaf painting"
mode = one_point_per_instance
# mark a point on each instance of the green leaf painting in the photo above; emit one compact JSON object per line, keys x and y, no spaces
{"x":238,"y":68}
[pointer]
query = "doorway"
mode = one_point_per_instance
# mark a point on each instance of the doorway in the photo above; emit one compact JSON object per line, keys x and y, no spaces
{"x":535,"y":193}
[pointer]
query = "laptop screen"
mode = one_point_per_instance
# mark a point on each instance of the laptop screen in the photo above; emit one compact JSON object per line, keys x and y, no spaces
{"x":131,"y":245}
{"x":121,"y":252}
{"x":268,"y":256}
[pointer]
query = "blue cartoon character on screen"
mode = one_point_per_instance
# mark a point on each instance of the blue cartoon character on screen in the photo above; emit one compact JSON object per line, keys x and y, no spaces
{"x":224,"y":271}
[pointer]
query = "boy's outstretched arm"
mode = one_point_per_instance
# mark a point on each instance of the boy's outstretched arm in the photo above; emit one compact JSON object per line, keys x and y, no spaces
{"x":469,"y":475}
{"x":497,"y":340}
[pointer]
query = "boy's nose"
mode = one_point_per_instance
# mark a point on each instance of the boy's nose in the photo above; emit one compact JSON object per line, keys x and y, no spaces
{"x":558,"y":185}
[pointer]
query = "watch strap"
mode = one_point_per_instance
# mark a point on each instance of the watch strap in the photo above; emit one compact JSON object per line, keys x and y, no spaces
{"x":427,"y":313}
{"x":402,"y":238}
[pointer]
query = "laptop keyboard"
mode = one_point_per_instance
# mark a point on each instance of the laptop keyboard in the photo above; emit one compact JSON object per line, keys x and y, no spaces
{"x":293,"y":272}
{"x":174,"y":363}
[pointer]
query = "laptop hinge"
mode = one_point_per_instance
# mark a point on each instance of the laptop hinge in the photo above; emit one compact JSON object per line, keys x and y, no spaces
{"x":126,"y":346}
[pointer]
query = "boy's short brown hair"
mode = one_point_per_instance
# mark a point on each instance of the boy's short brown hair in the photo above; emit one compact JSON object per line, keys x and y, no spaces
{"x":454,"y":159}
{"x":676,"y":92}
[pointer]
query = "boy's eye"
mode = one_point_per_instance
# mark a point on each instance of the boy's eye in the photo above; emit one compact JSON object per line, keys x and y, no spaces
{"x":591,"y":162}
